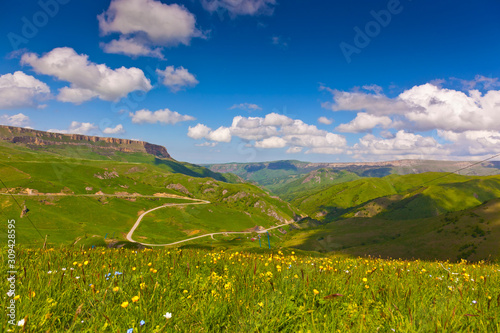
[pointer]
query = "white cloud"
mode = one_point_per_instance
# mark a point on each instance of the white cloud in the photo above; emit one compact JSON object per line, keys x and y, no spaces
{"x":131,"y":47}
{"x":118,"y":129}
{"x":146,"y":23}
{"x":177,"y":78}
{"x":199,"y":131}
{"x":18,"y":120}
{"x":473,"y":142}
{"x":402,"y":145}
{"x":294,"y":150}
{"x":79,"y":128}
{"x":374,"y":88}
{"x":325,"y":120}
{"x":246,"y":106}
{"x":376,"y":104}
{"x":272,"y":131}
{"x":164,"y":116}
{"x":272,"y":142}
{"x":427,"y":107}
{"x":87,"y":80}
{"x":222,"y":134}
{"x":20,"y":90}
{"x":276,"y":119}
{"x":241,"y":7}
{"x":364,"y":122}
{"x":479,"y":80}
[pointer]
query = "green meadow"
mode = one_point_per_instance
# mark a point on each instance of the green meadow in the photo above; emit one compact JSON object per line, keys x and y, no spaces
{"x":199,"y":290}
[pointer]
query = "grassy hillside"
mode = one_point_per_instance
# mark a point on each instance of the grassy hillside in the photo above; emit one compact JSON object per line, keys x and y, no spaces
{"x":470,"y":234}
{"x":338,"y":198}
{"x":277,"y":175}
{"x":195,"y":290}
{"x":400,"y":197}
{"x":62,"y":158}
{"x":69,"y":197}
{"x":312,"y":182}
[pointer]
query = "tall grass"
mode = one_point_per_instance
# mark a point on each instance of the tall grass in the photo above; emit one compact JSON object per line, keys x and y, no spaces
{"x":115,"y":290}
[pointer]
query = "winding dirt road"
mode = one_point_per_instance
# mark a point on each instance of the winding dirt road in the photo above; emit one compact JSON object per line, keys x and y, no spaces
{"x":198,"y":202}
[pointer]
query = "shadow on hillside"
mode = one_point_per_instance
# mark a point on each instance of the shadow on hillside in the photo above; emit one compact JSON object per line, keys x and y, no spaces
{"x":470,"y":234}
{"x":178,"y":167}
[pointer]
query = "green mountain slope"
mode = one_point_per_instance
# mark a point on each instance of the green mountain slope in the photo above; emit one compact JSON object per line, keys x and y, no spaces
{"x":470,"y":234}
{"x":312,"y":182}
{"x":277,"y":175}
{"x":400,"y":197}
{"x":71,"y":198}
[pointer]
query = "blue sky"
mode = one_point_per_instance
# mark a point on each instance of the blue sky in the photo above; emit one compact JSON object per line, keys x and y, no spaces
{"x":256,"y":80}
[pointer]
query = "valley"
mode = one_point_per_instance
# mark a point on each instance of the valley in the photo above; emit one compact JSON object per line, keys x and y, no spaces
{"x":100,"y":197}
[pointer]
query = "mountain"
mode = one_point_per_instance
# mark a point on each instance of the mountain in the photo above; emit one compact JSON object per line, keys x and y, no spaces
{"x":275,"y":176}
{"x":470,"y":234}
{"x":400,"y":197}
{"x":426,"y":216}
{"x":83,"y":147}
{"x":53,"y":141}
{"x":312,"y":182}
{"x":78,"y":186}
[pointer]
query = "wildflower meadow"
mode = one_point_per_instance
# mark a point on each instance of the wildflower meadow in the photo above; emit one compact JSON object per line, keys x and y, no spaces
{"x":203,"y":290}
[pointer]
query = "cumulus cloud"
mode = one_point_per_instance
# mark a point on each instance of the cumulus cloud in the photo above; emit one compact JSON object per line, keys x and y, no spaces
{"x":118,"y":129}
{"x":222,"y":134}
{"x":177,"y":78}
{"x":131,"y":47}
{"x":426,"y":107}
{"x":18,"y":120}
{"x":325,"y":120}
{"x":272,"y":142}
{"x":240,"y":7}
{"x":77,"y":127}
{"x":199,"y":131}
{"x":273,"y":131}
{"x":402,"y":145}
{"x":164,"y":116}
{"x":87,"y":79}
{"x":376,"y":104}
{"x":143,"y":24}
{"x":246,"y":106}
{"x":479,"y":81}
{"x":20,"y":90}
{"x":476,"y":143}
{"x":364,"y":122}
{"x":294,"y":150}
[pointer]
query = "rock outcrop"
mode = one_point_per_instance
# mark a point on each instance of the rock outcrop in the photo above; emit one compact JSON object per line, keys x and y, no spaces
{"x":35,"y":138}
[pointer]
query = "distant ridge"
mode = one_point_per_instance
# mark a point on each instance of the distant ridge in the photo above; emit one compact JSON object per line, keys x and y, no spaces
{"x":34,"y":138}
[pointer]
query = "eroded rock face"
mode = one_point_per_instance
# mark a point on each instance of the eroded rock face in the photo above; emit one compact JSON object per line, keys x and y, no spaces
{"x":39,"y":138}
{"x":179,"y":187}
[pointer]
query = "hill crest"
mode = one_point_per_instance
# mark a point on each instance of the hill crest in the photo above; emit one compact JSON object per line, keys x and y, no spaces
{"x":33,"y":137}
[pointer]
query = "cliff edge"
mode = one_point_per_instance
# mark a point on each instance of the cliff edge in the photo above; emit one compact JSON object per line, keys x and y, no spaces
{"x":33,"y":138}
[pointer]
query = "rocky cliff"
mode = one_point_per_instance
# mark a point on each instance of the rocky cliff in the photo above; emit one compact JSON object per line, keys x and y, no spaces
{"x":35,"y":138}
